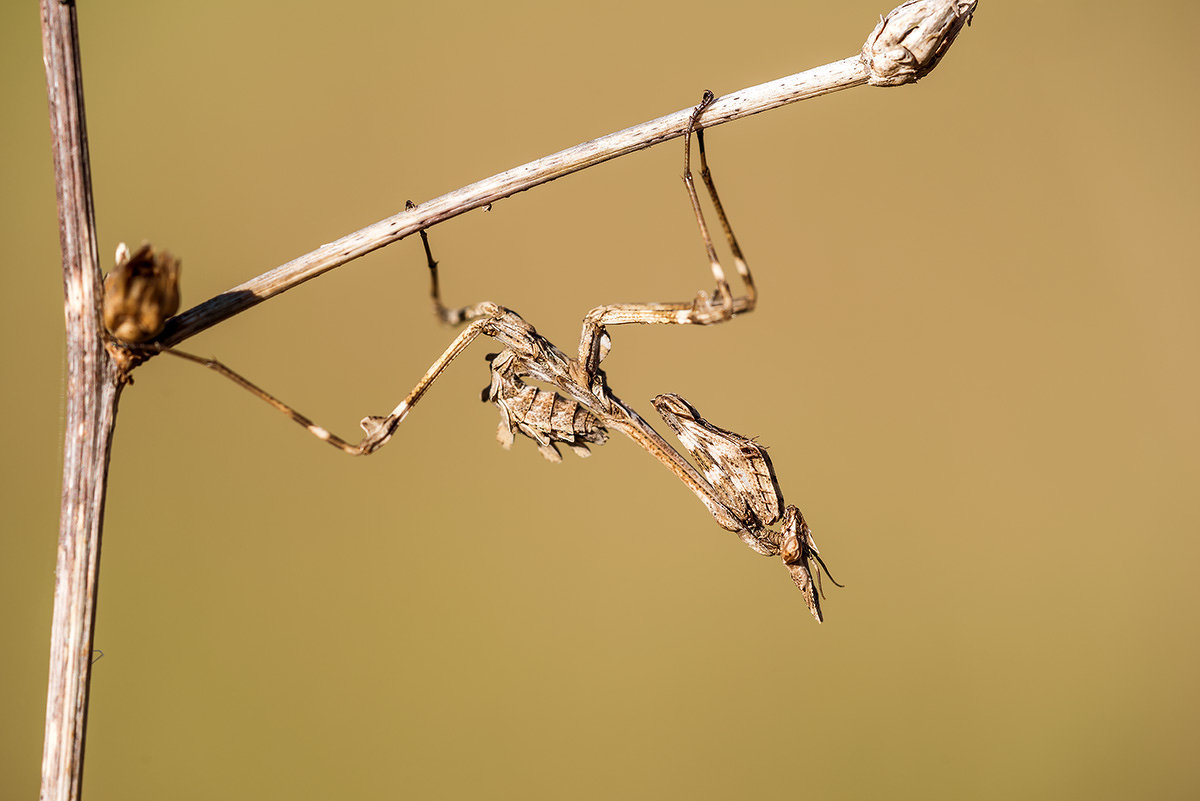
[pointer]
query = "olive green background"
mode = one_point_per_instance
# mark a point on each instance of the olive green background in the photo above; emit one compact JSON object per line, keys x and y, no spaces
{"x":974,"y":361}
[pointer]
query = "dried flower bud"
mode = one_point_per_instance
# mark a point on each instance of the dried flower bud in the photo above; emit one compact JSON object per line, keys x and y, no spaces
{"x":908,"y":43}
{"x":140,"y":293}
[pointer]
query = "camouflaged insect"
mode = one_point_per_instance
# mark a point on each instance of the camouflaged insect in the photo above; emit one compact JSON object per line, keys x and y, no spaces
{"x":575,"y":407}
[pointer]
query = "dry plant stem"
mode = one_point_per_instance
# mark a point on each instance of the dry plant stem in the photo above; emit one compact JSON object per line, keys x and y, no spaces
{"x":904,"y":47}
{"x":92,"y":393}
{"x":813,"y":83}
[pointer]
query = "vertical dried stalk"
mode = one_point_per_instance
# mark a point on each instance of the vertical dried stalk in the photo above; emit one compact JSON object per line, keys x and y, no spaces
{"x":92,"y":393}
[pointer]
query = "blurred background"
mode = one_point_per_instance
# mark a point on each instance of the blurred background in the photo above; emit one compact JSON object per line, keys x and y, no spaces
{"x":974,"y":362}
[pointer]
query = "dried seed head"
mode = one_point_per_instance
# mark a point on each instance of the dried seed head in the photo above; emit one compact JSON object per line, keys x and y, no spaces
{"x":909,"y":42}
{"x":140,"y":293}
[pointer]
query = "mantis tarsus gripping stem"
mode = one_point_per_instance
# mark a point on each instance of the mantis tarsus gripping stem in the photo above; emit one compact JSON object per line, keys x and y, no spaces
{"x":736,"y":481}
{"x":724,"y":295}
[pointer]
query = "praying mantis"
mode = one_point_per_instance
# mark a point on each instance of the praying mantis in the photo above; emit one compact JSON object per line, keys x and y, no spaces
{"x":735,"y":481}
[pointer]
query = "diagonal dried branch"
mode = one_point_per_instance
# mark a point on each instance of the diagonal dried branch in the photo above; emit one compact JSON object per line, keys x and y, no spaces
{"x":904,"y":47}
